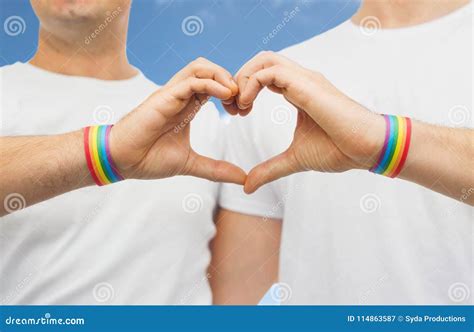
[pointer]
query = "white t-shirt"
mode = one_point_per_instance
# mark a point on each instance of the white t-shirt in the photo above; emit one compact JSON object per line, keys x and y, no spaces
{"x":134,"y":242}
{"x":358,"y":237}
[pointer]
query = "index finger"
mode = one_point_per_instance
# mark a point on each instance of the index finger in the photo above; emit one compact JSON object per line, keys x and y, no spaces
{"x":263,"y":60}
{"x":203,"y":68}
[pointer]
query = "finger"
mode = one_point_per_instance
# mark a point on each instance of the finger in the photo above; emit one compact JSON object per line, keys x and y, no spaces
{"x":277,"y":167}
{"x":202,"y":98}
{"x":229,"y":101}
{"x":246,"y":111}
{"x":203,"y":68}
{"x":215,"y":170}
{"x":279,"y":76}
{"x":187,"y":88}
{"x":261,"y":61}
{"x":233,"y":109}
{"x":230,"y":106}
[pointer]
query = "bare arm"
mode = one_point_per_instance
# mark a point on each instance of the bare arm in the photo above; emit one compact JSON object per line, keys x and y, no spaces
{"x":245,"y":255}
{"x":336,"y":134}
{"x":41,"y":167}
{"x":442,"y":159}
{"x":151,"y":142}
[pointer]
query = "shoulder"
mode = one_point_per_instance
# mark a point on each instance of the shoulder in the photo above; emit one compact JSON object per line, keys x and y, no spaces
{"x":11,"y":66}
{"x":144,"y":83}
{"x":11,"y":79}
{"x":11,"y":70}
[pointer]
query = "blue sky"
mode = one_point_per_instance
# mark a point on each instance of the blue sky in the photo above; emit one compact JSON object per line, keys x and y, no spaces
{"x":232,"y":31}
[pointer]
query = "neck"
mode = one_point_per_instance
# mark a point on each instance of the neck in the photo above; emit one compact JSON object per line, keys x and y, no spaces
{"x":394,"y":14}
{"x":102,"y":57}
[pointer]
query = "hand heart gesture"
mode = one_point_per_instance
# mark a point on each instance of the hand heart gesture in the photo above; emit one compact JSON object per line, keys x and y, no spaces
{"x":323,"y":140}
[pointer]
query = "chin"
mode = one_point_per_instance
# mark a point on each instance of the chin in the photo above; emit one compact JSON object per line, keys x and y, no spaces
{"x":75,"y":10}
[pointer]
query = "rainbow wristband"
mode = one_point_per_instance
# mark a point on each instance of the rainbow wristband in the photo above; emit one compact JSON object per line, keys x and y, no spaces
{"x":395,"y":148}
{"x":99,"y":160}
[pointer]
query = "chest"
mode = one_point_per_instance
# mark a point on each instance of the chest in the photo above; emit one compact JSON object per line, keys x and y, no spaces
{"x":430,"y":82}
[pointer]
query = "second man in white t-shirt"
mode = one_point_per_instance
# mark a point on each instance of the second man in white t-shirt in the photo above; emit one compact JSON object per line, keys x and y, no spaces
{"x":356,"y":237}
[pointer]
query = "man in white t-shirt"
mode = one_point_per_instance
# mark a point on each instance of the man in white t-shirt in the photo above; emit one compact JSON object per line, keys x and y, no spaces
{"x":357,"y":237}
{"x":134,"y":242}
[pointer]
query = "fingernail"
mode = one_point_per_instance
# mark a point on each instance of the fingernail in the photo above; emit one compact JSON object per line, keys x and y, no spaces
{"x":243,"y":106}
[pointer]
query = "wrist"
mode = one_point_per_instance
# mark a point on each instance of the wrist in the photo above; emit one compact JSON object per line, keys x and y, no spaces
{"x":395,"y":148}
{"x":97,"y":151}
{"x":75,"y":159}
{"x":117,"y":154}
{"x":375,"y":141}
{"x":366,"y":141}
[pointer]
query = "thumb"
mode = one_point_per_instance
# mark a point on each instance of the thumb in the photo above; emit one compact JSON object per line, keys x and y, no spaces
{"x":277,"y":167}
{"x":214,"y":170}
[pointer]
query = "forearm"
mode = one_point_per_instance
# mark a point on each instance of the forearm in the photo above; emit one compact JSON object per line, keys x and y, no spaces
{"x":442,"y":159}
{"x":245,"y":255}
{"x":41,"y":167}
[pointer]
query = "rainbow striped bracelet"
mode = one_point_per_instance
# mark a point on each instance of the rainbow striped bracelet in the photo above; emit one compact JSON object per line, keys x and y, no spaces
{"x":99,"y":160}
{"x":395,"y":148}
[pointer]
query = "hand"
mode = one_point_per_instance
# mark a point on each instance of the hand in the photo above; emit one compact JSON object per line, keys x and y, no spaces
{"x":152,"y":142}
{"x":333,"y":132}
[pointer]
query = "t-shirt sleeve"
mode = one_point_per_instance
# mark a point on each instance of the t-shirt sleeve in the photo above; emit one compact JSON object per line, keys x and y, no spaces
{"x":247,"y":142}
